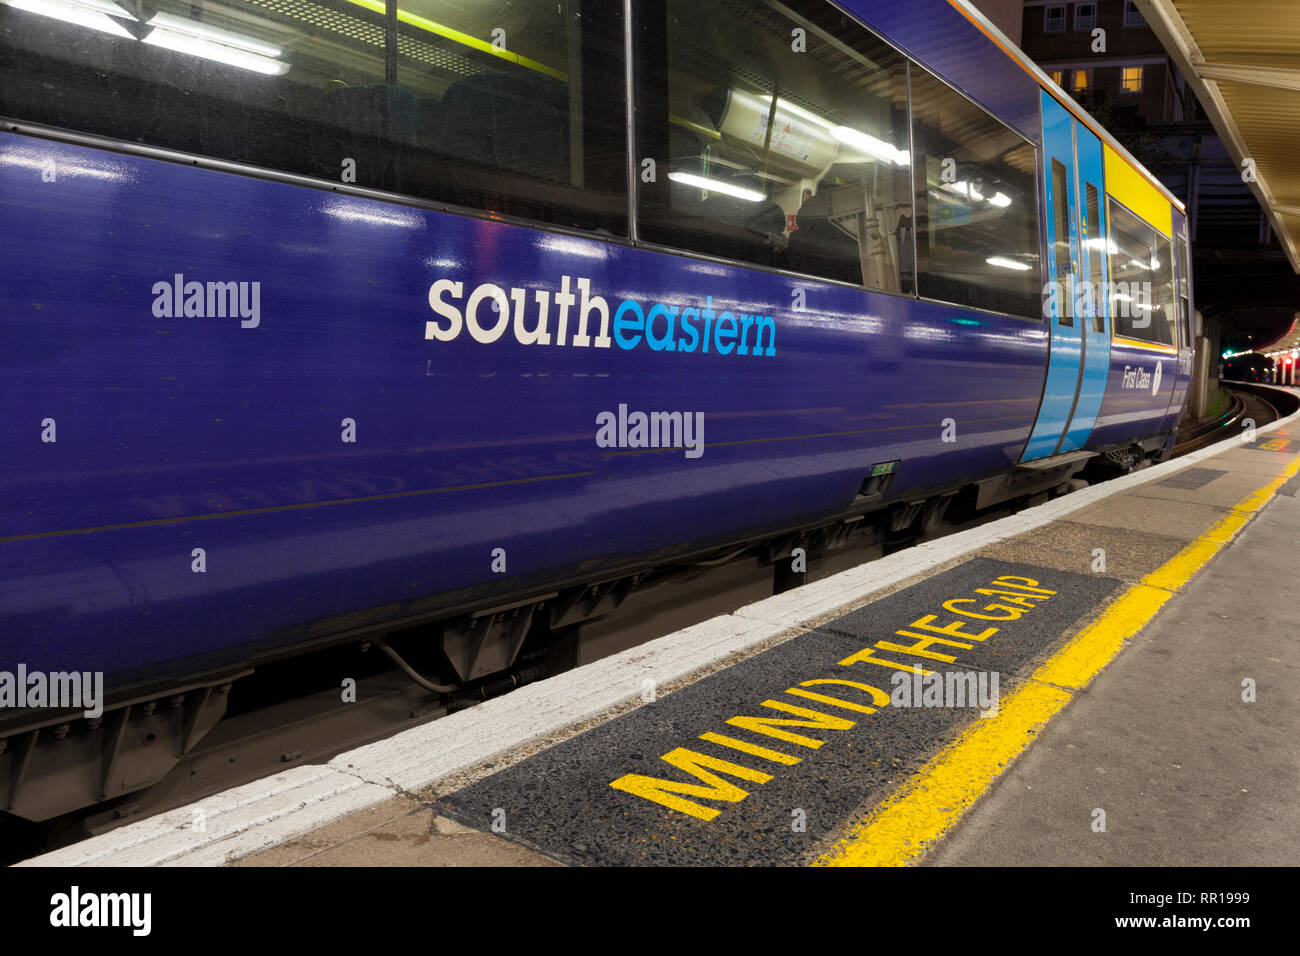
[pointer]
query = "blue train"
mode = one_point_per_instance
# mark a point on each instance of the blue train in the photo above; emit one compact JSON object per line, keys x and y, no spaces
{"x":329,"y":319}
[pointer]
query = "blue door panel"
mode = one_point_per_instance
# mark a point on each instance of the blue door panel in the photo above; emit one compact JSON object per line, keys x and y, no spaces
{"x":1094,"y":320}
{"x":1062,"y":223}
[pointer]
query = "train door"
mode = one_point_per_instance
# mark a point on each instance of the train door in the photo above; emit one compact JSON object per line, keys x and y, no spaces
{"x":1078,"y":312}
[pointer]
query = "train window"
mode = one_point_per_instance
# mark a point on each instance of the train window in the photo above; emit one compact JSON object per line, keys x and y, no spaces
{"x":1184,"y":312}
{"x":1094,"y":246}
{"x":513,"y":106}
{"x":778,"y":135}
{"x":1061,"y":247}
{"x":1142,"y":278}
{"x":976,"y":205}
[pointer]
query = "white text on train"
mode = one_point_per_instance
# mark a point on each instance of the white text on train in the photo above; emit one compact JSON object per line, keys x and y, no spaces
{"x":664,"y":328}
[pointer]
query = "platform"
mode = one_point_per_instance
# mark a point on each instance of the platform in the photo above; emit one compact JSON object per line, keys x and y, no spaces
{"x":1117,"y":632}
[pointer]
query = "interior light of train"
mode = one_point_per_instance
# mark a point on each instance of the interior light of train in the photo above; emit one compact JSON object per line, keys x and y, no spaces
{"x":871,"y":145}
{"x":718,"y":186}
{"x":1000,"y":199}
{"x":93,"y":14}
{"x":210,"y":50}
{"x":1002,"y":263}
{"x":205,"y":32}
{"x":764,"y":103}
{"x":963,"y":189}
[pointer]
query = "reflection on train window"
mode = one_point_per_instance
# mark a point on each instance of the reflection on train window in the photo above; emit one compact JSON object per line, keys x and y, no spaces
{"x":1061,"y":240}
{"x":1094,"y":245}
{"x":1184,"y":270}
{"x":976,"y":205}
{"x":513,"y":106}
{"x":779,"y":135}
{"x":1142,"y":278}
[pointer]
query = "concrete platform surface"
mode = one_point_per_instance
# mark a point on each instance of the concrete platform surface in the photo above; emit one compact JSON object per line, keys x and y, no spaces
{"x":1189,"y":743}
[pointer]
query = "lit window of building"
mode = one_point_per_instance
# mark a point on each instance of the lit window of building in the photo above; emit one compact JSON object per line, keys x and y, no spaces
{"x":1058,"y":77}
{"x":1080,"y":83}
{"x":1131,"y":79}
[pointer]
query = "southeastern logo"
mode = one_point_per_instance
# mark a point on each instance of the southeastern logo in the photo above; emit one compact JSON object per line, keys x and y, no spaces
{"x":489,"y":311}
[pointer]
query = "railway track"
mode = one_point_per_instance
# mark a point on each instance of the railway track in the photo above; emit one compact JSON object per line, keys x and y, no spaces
{"x":262,"y":735}
{"x":1248,"y":402}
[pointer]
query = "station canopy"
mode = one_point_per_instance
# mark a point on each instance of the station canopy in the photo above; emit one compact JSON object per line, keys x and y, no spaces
{"x":1242,"y":59}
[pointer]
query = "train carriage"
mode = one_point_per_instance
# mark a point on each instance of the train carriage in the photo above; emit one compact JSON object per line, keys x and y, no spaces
{"x":331,"y":320}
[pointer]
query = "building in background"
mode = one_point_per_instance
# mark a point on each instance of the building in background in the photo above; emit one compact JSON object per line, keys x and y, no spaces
{"x":1006,"y":15}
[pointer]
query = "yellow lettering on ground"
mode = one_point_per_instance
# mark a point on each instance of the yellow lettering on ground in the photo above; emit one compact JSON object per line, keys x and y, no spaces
{"x":1018,"y":598}
{"x":812,"y":718}
{"x":878,"y":696}
{"x":921,"y":647}
{"x":1009,"y":581}
{"x":833,"y":701}
{"x":1014,"y":614}
{"x":867,"y":656}
{"x":745,"y":746}
{"x":714,"y":787}
{"x":900,"y":829}
{"x":955,"y":628}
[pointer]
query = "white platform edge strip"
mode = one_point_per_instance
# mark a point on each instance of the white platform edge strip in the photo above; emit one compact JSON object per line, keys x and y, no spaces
{"x":274,"y":810}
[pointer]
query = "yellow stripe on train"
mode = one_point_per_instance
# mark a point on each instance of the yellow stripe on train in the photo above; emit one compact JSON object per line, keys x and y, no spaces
{"x":1131,"y":189}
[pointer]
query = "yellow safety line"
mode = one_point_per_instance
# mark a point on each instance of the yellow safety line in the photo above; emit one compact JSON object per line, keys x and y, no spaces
{"x":900,"y":829}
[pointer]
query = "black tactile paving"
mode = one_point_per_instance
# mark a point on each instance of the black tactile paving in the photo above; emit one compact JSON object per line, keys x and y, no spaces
{"x":1190,"y":479}
{"x":560,"y":801}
